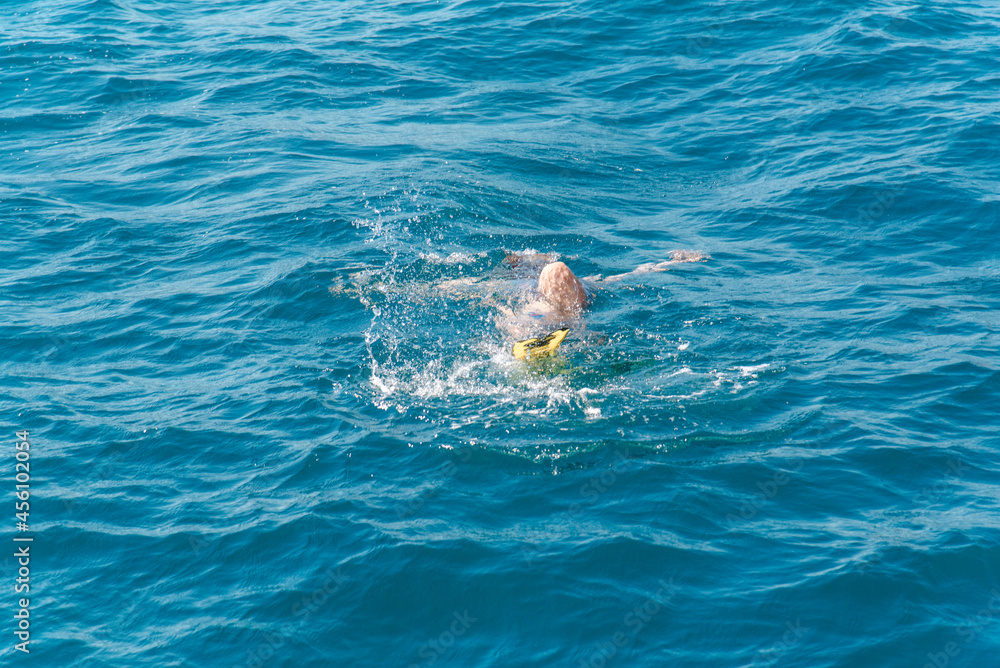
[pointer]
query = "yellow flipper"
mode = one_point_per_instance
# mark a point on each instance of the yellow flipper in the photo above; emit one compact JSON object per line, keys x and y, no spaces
{"x":532,"y":349}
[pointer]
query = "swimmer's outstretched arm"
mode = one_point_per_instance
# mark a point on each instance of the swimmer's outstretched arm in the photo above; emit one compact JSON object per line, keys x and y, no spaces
{"x":676,"y":257}
{"x":529,"y":259}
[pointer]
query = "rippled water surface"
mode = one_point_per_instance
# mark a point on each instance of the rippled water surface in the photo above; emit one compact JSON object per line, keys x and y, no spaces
{"x":255,"y":259}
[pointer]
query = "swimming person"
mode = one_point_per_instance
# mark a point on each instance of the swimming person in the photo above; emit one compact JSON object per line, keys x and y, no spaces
{"x":560,"y":297}
{"x":533,"y":294}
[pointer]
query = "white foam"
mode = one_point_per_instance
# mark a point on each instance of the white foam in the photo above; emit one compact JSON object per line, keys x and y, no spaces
{"x":451,"y":258}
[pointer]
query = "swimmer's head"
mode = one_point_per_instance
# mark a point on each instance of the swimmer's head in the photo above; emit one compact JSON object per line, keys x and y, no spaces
{"x":561,"y":288}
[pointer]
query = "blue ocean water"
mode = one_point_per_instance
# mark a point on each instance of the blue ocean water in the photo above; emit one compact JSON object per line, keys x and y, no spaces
{"x":264,"y":434}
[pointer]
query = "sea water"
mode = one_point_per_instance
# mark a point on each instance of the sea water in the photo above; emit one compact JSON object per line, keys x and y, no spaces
{"x":263,"y":434}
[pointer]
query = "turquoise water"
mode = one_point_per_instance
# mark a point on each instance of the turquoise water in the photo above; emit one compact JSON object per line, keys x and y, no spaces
{"x":263,"y":434}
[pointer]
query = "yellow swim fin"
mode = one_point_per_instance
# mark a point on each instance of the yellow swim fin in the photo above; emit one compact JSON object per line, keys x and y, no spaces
{"x":532,"y":349}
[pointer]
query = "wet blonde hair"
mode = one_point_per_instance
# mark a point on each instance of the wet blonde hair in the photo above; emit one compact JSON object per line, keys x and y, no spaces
{"x":561,"y":288}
